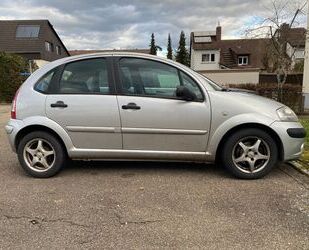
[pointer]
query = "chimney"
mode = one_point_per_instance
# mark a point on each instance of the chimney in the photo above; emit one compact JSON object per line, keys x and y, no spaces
{"x":218,"y":32}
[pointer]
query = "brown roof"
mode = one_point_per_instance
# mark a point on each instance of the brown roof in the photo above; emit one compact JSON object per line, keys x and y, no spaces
{"x":81,"y":52}
{"x":297,"y":37}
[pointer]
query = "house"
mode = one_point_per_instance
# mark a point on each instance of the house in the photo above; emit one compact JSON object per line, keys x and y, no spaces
{"x":35,"y":40}
{"x":240,"y":60}
{"x":210,"y":52}
{"x":81,"y":52}
{"x":227,"y":61}
{"x":295,"y":39}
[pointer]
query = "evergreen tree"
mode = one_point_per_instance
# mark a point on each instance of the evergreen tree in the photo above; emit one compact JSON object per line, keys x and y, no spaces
{"x":182,"y":55}
{"x":152,"y":45}
{"x":169,"y":54}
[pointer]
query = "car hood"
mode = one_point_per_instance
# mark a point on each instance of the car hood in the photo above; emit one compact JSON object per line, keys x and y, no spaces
{"x":236,"y":102}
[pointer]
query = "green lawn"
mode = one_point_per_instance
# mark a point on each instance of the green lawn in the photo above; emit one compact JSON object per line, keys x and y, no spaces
{"x":305,"y":122}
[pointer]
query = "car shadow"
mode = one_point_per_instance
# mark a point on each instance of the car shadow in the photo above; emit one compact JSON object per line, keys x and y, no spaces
{"x":128,"y":167}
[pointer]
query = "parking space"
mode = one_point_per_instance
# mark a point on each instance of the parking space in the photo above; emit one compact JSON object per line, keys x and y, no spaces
{"x":126,"y":205}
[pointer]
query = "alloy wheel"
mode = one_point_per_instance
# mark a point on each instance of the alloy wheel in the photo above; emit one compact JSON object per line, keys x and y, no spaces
{"x":39,"y":155}
{"x":251,"y":154}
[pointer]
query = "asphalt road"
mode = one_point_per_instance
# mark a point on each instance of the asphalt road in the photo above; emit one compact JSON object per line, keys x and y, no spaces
{"x":121,"y":205}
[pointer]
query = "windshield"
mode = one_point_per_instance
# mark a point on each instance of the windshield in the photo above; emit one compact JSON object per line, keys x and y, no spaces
{"x":214,"y":85}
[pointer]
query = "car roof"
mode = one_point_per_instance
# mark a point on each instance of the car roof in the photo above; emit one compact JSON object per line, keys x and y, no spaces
{"x":64,"y":60}
{"x":129,"y":54}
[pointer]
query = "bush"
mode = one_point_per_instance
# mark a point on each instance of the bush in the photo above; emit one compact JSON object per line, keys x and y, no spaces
{"x":11,"y":67}
{"x":289,"y":94}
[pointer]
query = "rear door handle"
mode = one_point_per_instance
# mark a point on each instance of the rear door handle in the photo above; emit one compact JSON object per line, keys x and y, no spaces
{"x":131,"y":105}
{"x":59,"y":104}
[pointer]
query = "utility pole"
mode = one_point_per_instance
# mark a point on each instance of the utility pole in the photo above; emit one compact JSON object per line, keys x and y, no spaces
{"x":306,"y":69}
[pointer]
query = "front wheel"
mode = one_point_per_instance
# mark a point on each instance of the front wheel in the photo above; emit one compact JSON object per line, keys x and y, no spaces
{"x":249,"y":153}
{"x":41,"y":154}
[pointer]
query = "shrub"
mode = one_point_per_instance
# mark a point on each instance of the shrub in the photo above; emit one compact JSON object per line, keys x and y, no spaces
{"x":11,"y":67}
{"x":289,"y":94}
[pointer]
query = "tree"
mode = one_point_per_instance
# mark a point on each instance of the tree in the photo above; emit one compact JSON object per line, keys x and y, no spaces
{"x":169,"y":54}
{"x":276,"y":27}
{"x":182,"y":55}
{"x":152,"y":45}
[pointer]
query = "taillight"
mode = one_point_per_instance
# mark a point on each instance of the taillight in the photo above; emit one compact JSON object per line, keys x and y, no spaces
{"x":13,"y":110}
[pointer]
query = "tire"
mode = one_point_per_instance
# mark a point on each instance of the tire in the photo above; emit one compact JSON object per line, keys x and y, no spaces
{"x":41,"y":154}
{"x":249,"y":153}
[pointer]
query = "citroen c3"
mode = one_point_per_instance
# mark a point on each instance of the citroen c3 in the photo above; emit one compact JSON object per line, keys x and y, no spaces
{"x":129,"y":106}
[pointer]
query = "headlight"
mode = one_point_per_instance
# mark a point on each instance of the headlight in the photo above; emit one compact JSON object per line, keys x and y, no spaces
{"x":286,"y":114}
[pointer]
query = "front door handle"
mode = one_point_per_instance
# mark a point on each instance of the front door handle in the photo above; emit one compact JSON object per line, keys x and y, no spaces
{"x":131,"y":105}
{"x":59,"y":104}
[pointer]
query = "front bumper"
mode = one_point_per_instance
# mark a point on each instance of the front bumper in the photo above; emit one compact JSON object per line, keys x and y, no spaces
{"x":292,"y":135}
{"x":12,"y":128}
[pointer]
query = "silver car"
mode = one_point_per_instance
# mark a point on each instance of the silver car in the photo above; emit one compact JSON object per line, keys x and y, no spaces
{"x":140,"y":107}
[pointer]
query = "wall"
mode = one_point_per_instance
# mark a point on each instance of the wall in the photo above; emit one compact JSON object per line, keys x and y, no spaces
{"x":196,"y":60}
{"x":40,"y":63}
{"x":306,"y":69}
{"x":233,"y":76}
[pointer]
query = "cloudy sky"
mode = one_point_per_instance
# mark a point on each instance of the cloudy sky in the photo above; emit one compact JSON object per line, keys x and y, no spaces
{"x":105,"y":24}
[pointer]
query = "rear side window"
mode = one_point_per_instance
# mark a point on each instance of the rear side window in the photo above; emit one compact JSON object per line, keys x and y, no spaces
{"x":85,"y":77}
{"x":44,"y":83}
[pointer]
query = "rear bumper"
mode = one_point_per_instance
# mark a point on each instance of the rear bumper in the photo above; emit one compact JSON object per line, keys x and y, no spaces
{"x":292,"y":136}
{"x":12,"y":128}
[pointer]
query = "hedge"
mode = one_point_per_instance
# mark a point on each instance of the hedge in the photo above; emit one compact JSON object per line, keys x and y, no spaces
{"x":11,"y":69}
{"x":289,"y":94}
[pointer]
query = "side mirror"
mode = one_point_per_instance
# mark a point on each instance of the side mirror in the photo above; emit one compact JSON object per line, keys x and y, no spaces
{"x":185,"y":93}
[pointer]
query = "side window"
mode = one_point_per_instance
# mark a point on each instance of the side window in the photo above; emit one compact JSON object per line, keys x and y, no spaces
{"x":146,"y":77}
{"x":191,"y":84}
{"x":43,"y":84}
{"x":85,"y":77}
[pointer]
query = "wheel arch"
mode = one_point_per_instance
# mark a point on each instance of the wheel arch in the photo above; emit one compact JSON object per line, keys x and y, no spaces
{"x":31,"y":128}
{"x":263,"y":127}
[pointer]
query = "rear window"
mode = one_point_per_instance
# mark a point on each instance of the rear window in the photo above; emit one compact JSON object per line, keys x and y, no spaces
{"x":44,"y":83}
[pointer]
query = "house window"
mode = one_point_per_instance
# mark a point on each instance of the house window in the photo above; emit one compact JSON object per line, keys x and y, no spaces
{"x":243,"y":60}
{"x":49,"y":47}
{"x":27,"y":31}
{"x":58,"y":50}
{"x":209,"y":57}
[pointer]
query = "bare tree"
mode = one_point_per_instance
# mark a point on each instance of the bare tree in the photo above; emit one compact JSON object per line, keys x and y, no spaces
{"x":283,"y":15}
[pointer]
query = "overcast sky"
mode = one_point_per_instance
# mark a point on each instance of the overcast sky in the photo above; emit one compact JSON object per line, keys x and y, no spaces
{"x":112,"y":24}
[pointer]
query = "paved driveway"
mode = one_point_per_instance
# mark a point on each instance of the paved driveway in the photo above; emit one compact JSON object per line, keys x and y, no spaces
{"x":150,"y":205}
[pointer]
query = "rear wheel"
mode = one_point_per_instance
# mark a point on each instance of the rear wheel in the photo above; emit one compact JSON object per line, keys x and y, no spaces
{"x":41,"y":154}
{"x":249,"y":153}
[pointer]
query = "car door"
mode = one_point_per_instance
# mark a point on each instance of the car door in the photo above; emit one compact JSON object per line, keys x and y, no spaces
{"x":82,"y":101}
{"x":154,"y":121}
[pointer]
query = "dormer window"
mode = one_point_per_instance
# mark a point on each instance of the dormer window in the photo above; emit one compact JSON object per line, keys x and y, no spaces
{"x":27,"y":31}
{"x":243,"y":60}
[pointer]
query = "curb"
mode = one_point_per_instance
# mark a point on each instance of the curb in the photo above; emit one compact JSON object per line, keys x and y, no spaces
{"x":299,"y":167}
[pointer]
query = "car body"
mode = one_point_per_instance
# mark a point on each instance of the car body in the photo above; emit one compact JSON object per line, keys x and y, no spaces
{"x":133,"y":106}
